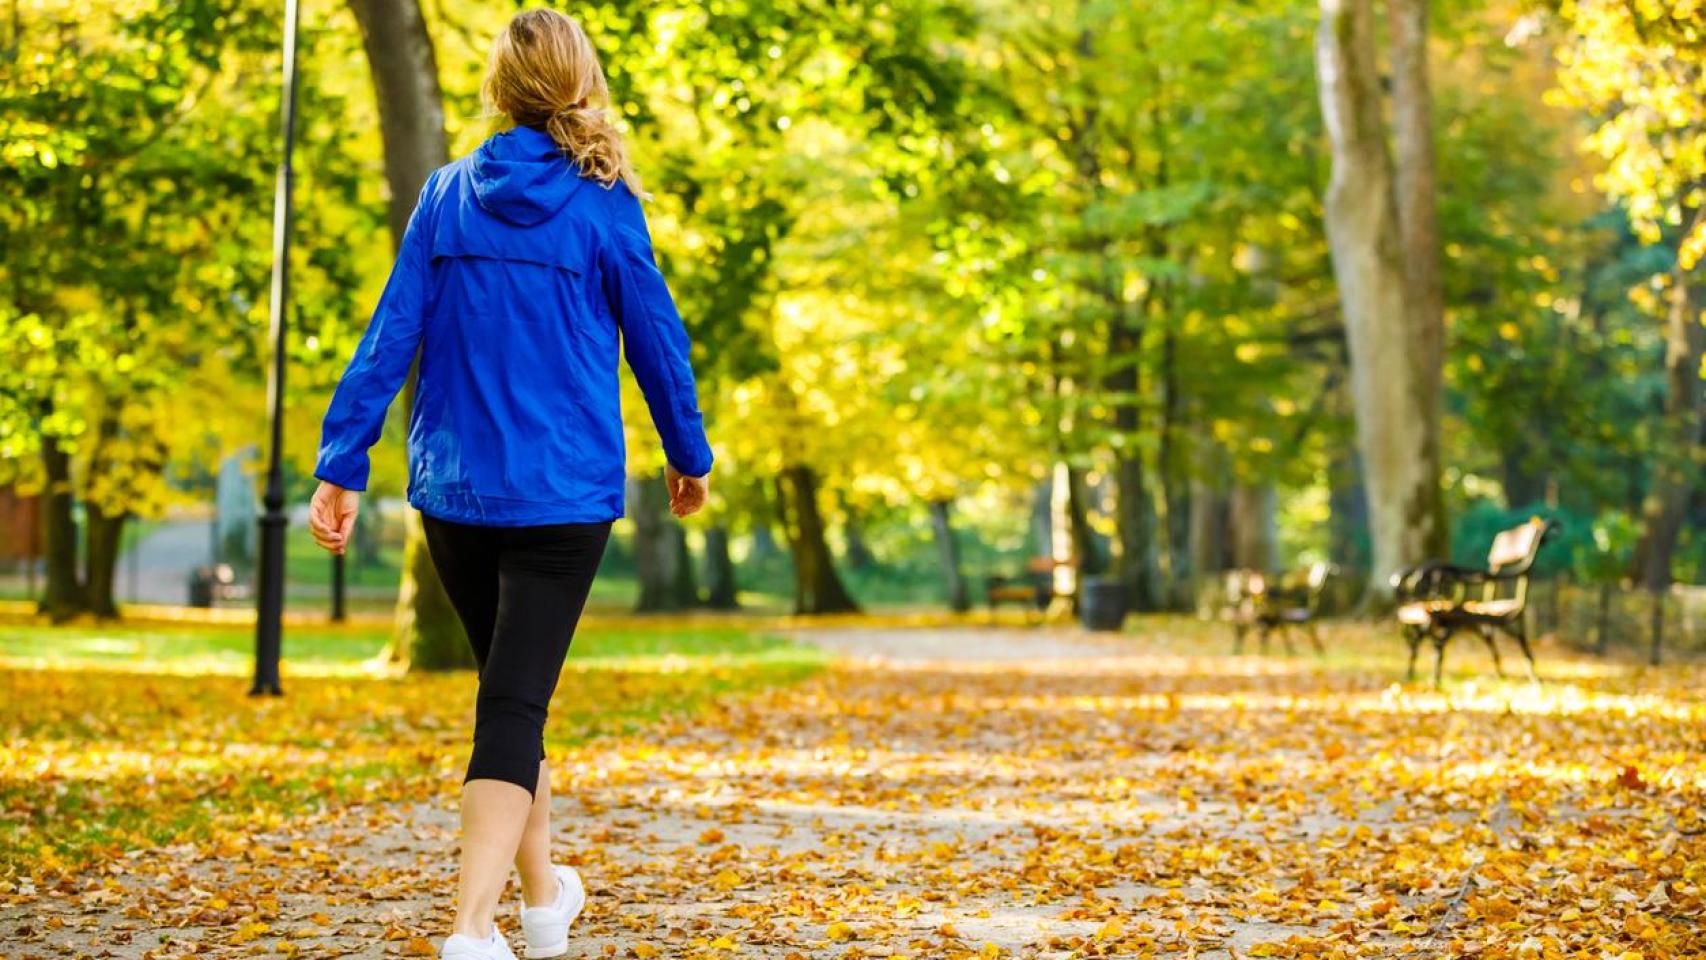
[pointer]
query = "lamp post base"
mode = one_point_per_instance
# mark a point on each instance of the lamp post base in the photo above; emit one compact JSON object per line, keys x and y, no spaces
{"x":269,"y":611}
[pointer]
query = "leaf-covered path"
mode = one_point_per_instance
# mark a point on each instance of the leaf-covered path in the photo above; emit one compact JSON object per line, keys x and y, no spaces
{"x":956,"y":793}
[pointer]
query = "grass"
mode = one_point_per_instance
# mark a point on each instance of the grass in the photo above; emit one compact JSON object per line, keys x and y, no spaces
{"x":220,"y":649}
{"x":308,"y":565}
{"x":118,"y":738}
{"x":119,"y":645}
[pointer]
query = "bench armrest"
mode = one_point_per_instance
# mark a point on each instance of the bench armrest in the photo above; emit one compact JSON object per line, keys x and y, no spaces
{"x":1410,"y":582}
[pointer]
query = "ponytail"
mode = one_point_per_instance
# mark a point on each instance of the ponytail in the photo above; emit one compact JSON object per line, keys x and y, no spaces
{"x":545,"y":73}
{"x":594,"y":144}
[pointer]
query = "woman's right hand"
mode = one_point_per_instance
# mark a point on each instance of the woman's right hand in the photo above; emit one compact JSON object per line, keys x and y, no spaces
{"x":331,"y":516}
{"x":686,"y":494}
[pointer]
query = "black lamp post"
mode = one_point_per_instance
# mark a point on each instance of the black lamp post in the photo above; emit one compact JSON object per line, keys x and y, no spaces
{"x":269,"y":609}
{"x":338,"y":588}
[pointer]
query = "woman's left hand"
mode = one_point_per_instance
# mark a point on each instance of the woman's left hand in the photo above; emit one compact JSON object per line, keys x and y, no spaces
{"x":686,"y":494}
{"x":331,"y":516}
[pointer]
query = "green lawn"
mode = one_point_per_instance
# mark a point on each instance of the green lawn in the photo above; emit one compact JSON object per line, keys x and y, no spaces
{"x":121,"y":644}
{"x":306,"y":564}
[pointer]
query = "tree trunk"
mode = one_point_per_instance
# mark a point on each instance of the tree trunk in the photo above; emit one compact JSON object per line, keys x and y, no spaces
{"x":1211,"y":511}
{"x":102,"y":537}
{"x":1418,"y":196}
{"x":1175,"y":481}
{"x":654,"y":560}
{"x":1683,"y":439}
{"x":1393,"y":380}
{"x":948,"y":548}
{"x":661,"y":563}
{"x":1136,"y":527}
{"x":62,"y":595}
{"x":858,"y":553}
{"x":1347,"y":513}
{"x":1134,"y":505}
{"x":766,"y":512}
{"x":817,"y":587}
{"x":722,"y":591}
{"x":1255,"y":532}
{"x":426,"y":634}
{"x":686,"y":585}
{"x":1087,"y":555}
{"x":404,"y":70}
{"x":102,"y":532}
{"x":1042,"y":518}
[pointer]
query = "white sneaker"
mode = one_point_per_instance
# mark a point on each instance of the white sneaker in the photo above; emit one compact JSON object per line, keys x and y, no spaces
{"x":463,"y":947}
{"x":547,"y":928}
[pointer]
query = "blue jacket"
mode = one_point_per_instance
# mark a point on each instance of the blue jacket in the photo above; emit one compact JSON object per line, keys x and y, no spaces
{"x":512,"y":281}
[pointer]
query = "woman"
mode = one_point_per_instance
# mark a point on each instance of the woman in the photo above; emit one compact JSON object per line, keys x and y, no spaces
{"x":520,"y":265}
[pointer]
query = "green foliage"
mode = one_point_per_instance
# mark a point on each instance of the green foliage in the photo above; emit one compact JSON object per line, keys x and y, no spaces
{"x":132,"y":213}
{"x":1614,"y":537}
{"x":1568,"y":548}
{"x":926,"y":248}
{"x":1636,"y":66}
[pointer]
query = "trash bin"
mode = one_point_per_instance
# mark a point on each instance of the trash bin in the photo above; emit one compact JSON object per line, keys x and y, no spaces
{"x":1101,"y":605}
{"x":201,"y":587}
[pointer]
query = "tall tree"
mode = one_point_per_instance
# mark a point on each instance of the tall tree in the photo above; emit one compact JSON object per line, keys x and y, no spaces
{"x":1394,"y":365}
{"x":1638,"y":67}
{"x":948,"y":546}
{"x":1149,"y":315}
{"x":1417,"y":191}
{"x":426,"y":634}
{"x":126,"y":202}
{"x":1682,"y":449}
{"x":817,"y":587}
{"x":721,"y":590}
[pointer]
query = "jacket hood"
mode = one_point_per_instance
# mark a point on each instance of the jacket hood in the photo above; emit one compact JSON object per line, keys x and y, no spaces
{"x":521,"y":176}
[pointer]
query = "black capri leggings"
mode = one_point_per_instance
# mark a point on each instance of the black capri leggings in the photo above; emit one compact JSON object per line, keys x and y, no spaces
{"x":519,"y":592}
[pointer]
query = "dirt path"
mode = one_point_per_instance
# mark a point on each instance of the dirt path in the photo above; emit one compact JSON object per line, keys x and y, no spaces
{"x":1020,"y":793}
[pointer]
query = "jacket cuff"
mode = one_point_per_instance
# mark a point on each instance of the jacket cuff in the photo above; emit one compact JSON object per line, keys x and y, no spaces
{"x":347,"y":472}
{"x":695,"y":464}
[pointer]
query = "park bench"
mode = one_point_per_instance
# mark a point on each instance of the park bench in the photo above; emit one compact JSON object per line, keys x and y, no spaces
{"x":1289,"y":603}
{"x":1034,"y":587}
{"x":215,"y":582}
{"x":1436,"y":599}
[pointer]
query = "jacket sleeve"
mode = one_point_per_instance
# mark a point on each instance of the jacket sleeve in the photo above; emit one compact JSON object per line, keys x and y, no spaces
{"x":653,"y":337}
{"x":381,"y":362}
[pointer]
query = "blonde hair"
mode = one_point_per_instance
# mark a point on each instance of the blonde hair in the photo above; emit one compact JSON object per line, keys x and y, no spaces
{"x":544,"y":73}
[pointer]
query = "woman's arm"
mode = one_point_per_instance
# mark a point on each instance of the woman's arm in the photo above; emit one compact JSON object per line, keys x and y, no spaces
{"x":381,"y":362}
{"x":655,"y":343}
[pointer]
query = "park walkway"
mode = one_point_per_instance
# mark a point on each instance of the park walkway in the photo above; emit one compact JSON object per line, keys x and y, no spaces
{"x":1004,"y":793}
